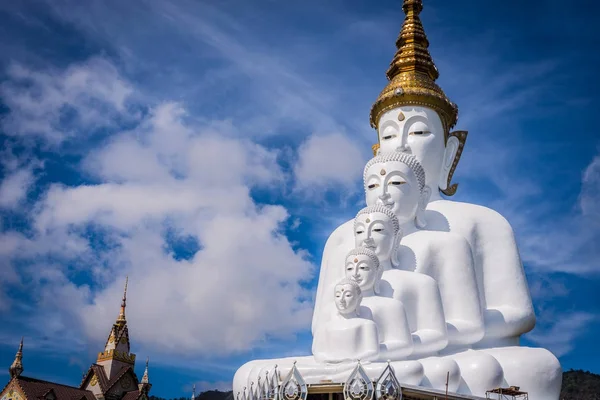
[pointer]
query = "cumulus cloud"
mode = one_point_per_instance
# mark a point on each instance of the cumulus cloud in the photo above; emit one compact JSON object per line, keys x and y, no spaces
{"x":328,"y":160}
{"x":14,"y":188}
{"x":164,"y":180}
{"x":55,"y":105}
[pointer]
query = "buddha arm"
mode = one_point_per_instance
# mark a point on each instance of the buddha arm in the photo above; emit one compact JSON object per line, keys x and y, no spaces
{"x":508,"y":308}
{"x":453,"y":269}
{"x":506,"y":302}
{"x":354,"y":339}
{"x":394,"y":333}
{"x":332,"y":269}
{"x":421,"y":297}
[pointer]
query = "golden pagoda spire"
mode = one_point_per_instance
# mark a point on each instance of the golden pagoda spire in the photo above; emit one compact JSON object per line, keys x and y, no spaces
{"x":123,"y":302}
{"x":16,"y":368}
{"x":412,"y":73}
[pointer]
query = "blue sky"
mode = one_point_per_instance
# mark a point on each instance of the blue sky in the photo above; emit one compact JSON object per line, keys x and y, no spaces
{"x":208,"y":148}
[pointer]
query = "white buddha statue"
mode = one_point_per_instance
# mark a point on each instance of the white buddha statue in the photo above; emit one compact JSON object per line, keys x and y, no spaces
{"x":413,"y":115}
{"x":395,"y":340}
{"x":351,"y":334}
{"x":377,"y":228}
{"x":397,"y":180}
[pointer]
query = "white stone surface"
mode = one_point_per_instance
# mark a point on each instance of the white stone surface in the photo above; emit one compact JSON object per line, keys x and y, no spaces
{"x":454,"y":267}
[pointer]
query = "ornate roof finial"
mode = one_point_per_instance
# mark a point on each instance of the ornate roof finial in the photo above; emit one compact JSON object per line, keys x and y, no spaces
{"x":124,"y":301}
{"x":194,"y":392}
{"x":412,"y":73}
{"x":17,"y":366}
{"x":145,"y":377}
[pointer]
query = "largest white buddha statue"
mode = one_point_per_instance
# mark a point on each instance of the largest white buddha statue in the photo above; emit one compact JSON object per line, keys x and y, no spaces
{"x":468,"y":250}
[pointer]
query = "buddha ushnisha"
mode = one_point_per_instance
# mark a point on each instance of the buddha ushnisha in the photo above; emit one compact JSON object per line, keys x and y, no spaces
{"x":352,"y":334}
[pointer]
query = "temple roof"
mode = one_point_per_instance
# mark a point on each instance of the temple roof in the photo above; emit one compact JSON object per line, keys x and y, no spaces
{"x":105,"y":384}
{"x":39,"y":389}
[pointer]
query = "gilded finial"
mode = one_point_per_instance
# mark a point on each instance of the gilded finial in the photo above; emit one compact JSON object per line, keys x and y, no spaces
{"x":123,"y":301}
{"x":16,"y":367}
{"x":412,"y":73}
{"x":145,"y":377}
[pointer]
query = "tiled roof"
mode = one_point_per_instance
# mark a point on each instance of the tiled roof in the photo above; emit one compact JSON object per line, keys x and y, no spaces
{"x":133,"y":395}
{"x":37,"y":389}
{"x":97,"y":370}
{"x":101,"y":374}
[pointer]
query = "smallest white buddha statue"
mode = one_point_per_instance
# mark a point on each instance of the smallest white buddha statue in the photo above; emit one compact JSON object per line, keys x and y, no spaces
{"x":349,"y":336}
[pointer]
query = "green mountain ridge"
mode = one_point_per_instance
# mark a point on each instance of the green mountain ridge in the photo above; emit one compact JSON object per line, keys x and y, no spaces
{"x":576,"y":385}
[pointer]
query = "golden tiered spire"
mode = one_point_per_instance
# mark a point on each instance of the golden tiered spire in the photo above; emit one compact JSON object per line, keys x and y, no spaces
{"x":17,"y":366}
{"x":123,"y":302}
{"x":412,"y":73}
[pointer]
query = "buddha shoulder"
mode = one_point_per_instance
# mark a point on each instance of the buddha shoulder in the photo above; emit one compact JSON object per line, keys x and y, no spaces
{"x":467,"y":212}
{"x":341,"y":234}
{"x":439,"y":242}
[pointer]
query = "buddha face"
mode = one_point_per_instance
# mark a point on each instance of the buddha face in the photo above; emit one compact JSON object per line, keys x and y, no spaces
{"x":394,"y":185}
{"x":417,"y":131}
{"x":347,"y":298}
{"x":375,"y":231}
{"x":361,"y":270}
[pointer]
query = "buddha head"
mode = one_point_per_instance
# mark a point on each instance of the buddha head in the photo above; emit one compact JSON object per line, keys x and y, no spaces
{"x":362,"y":266}
{"x":397,"y":181}
{"x":413,"y":114}
{"x":377,"y":228}
{"x":347,"y":297}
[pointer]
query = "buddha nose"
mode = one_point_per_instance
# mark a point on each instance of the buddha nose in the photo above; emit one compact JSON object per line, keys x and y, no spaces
{"x":384,"y":198}
{"x":404,"y":146}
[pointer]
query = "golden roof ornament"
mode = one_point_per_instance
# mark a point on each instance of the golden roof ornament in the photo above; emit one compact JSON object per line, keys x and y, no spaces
{"x":123,"y":302}
{"x":412,"y":74}
{"x":16,"y":367}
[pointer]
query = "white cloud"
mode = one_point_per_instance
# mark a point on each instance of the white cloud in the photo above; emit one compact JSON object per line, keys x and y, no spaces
{"x":560,"y":336}
{"x":14,"y":188}
{"x":328,"y":160}
{"x":167,"y":174}
{"x":589,"y":198}
{"x":56,"y":105}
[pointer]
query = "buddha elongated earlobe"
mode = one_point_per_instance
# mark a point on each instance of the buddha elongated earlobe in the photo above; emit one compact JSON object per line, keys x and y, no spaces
{"x":420,"y":221}
{"x":454,"y":148}
{"x":449,"y":155}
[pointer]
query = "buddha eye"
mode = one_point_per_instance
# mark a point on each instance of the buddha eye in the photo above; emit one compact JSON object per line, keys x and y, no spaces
{"x":419,"y":132}
{"x":364,"y":268}
{"x":359,"y":232}
{"x":373,"y":186}
{"x":388,"y":137}
{"x":396,"y":183}
{"x":378,"y":230}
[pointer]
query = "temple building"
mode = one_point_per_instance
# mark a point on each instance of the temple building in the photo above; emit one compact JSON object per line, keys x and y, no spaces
{"x":111,"y":377}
